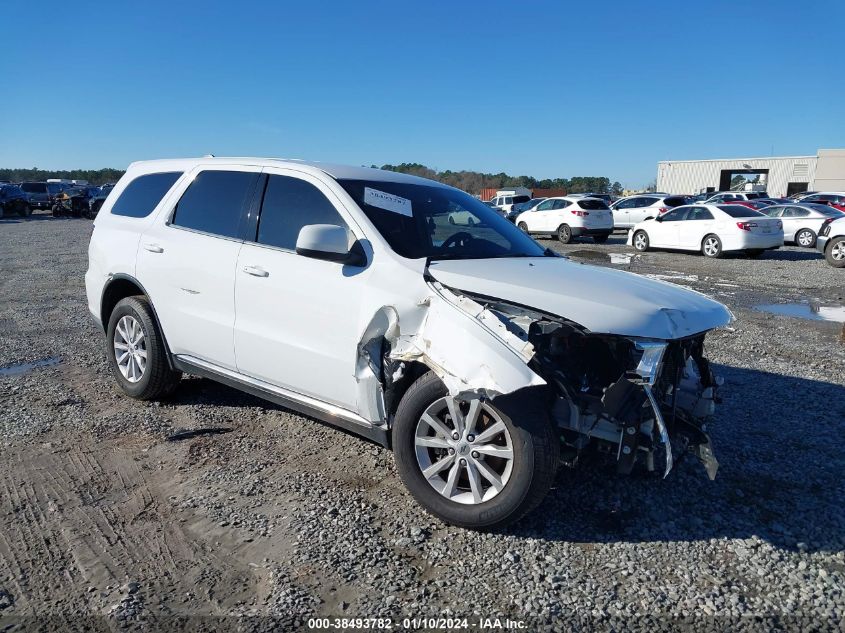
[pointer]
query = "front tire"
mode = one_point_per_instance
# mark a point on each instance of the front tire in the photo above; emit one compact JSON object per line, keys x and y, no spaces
{"x":640,"y":241}
{"x":564,"y":234}
{"x":835,"y":252}
{"x":470,"y":463}
{"x":136,"y":351}
{"x":805,"y":238}
{"x":25,"y":211}
{"x":523,"y":227}
{"x":711,"y":246}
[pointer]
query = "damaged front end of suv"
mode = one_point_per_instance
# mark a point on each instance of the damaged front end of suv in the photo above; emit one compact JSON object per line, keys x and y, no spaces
{"x":638,"y":399}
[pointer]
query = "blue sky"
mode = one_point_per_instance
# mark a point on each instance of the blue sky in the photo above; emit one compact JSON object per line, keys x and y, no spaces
{"x":541,"y":88}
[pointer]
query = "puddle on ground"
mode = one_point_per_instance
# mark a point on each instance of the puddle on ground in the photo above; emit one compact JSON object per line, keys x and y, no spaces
{"x":614,"y":258}
{"x":673,"y":275}
{"x":25,"y":368}
{"x":812,"y":310}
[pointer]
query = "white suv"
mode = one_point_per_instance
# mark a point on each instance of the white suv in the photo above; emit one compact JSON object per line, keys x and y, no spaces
{"x":345,"y":293}
{"x":635,"y":209}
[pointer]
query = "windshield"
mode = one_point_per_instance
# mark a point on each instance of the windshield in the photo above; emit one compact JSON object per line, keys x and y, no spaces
{"x":438,"y":222}
{"x":34,"y":187}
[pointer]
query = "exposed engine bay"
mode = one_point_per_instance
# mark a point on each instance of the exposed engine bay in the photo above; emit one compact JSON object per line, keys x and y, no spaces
{"x":637,"y":399}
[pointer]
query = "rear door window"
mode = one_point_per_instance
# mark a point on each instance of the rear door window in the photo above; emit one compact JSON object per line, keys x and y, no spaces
{"x":699,"y":213}
{"x":215,"y":202}
{"x":289,"y":204}
{"x":143,"y":194}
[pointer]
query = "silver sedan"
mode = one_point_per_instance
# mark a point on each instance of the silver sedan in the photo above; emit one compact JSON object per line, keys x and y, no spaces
{"x":801,"y":222}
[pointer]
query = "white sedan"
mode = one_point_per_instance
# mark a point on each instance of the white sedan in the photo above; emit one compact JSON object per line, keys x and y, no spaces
{"x":710,"y":228}
{"x":568,"y":218}
{"x":801,"y":222}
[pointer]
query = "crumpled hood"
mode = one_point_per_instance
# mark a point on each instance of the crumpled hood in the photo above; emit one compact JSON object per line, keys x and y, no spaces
{"x":600,"y":299}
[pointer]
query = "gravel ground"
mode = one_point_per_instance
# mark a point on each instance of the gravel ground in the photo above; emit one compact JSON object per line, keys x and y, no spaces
{"x":104,"y":524}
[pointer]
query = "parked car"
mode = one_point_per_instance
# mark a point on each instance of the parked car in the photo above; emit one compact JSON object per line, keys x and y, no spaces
{"x":568,"y":218}
{"x":757,"y":205}
{"x":344,"y":292}
{"x":99,"y":198}
{"x":709,"y":228}
{"x":522,"y":206}
{"x":608,"y":198}
{"x":629,"y":211}
{"x":802,"y":222}
{"x":75,"y":202}
{"x":505,"y":203}
{"x":831,"y":241}
{"x":835,"y":199}
{"x":42,"y":195}
{"x":795,"y":197}
{"x":14,"y":200}
{"x":732,"y":196}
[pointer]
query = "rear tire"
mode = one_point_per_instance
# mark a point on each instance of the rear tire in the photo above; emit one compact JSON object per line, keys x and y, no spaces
{"x":523,"y":227}
{"x":26,"y":211}
{"x":711,"y":246}
{"x":564,"y":234}
{"x":640,"y":241}
{"x":834,"y":253}
{"x":805,"y":238}
{"x":155,"y":378}
{"x":535,"y":450}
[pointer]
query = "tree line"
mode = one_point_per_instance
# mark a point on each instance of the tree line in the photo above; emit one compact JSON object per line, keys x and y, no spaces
{"x":470,"y":181}
{"x":93,"y":176}
{"x":474,"y":181}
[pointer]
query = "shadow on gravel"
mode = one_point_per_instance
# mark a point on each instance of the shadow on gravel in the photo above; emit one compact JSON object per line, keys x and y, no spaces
{"x":780,"y":445}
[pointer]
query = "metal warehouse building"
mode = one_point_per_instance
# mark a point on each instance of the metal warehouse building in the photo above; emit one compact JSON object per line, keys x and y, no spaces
{"x":779,"y":175}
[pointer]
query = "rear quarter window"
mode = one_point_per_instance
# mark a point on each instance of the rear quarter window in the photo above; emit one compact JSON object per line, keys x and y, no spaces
{"x":676,"y":201}
{"x":143,"y":194}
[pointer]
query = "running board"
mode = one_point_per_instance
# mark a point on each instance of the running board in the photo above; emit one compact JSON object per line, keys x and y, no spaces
{"x":328,"y":413}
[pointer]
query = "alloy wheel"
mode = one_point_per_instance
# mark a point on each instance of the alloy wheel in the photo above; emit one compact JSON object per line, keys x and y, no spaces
{"x":711,"y":246}
{"x":640,"y":241}
{"x":464,"y":450}
{"x":130,"y":348}
{"x":837,"y":251}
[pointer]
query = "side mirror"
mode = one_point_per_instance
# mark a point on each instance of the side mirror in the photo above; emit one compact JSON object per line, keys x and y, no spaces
{"x":329,"y":242}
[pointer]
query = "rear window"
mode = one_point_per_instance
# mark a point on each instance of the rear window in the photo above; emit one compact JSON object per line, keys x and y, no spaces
{"x":143,"y":194}
{"x":676,"y":201}
{"x":34,"y":187}
{"x":521,"y":199}
{"x":739,"y":211}
{"x":824,"y":210}
{"x":592,"y":204}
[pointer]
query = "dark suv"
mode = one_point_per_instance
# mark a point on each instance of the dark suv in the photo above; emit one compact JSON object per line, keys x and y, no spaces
{"x":42,"y":194}
{"x":13,"y":200}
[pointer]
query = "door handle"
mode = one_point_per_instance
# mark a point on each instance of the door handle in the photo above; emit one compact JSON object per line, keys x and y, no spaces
{"x":256,"y":271}
{"x":153,"y":248}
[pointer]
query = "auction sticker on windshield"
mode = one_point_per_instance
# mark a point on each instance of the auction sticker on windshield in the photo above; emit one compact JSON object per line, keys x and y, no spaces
{"x":387,"y":201}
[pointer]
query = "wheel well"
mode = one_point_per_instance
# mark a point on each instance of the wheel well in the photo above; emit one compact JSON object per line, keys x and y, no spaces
{"x":396,"y":390}
{"x":116,"y":290}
